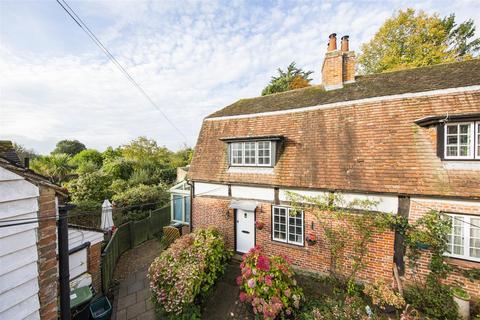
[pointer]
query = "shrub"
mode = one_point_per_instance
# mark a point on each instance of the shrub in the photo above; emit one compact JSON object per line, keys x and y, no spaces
{"x":185,"y":272}
{"x":352,"y":308}
{"x":383,"y":296}
{"x":143,"y":197}
{"x":93,"y":186}
{"x":433,"y":299}
{"x":268,"y":284}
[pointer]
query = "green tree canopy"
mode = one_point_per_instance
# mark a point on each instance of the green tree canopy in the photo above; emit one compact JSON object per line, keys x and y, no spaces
{"x":292,"y":78}
{"x":56,"y":166}
{"x":410,"y":39}
{"x":70,"y":147}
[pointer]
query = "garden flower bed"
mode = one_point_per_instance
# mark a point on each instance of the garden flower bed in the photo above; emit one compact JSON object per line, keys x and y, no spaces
{"x":185,"y":273}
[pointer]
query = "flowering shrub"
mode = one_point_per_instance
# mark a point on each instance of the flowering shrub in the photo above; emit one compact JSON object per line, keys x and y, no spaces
{"x":267,"y":284}
{"x":383,"y":296}
{"x":187,"y":269}
{"x":352,"y":308}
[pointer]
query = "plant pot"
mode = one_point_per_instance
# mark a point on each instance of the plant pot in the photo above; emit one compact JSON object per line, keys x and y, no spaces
{"x":311,"y":242}
{"x":463,"y":307}
{"x":260,"y":225}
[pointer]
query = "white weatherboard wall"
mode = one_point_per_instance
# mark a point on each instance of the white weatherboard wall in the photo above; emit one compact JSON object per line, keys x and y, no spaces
{"x":18,"y":249}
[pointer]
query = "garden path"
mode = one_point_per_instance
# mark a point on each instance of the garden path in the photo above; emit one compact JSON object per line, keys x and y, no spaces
{"x":132,"y":297}
{"x":224,"y":303}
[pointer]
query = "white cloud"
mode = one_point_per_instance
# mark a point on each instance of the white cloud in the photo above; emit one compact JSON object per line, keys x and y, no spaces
{"x":191,"y":57}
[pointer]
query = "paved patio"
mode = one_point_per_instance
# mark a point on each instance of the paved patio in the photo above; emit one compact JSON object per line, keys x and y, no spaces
{"x":132,"y":299}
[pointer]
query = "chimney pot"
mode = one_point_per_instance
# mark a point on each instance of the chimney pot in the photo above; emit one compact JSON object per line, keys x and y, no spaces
{"x":344,"y":46}
{"x":332,"y":42}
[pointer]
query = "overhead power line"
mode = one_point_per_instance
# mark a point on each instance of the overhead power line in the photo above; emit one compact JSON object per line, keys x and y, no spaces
{"x":110,"y":56}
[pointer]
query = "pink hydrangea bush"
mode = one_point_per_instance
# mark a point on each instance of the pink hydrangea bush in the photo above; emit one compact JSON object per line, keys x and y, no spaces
{"x":267,"y":283}
{"x":188,"y":268}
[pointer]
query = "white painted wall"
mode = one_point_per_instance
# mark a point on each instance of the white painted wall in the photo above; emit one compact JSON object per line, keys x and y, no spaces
{"x":210,"y":189}
{"x":77,"y":237}
{"x":386,"y":203}
{"x":243,"y":192}
{"x":282,"y":194}
{"x":18,"y":249}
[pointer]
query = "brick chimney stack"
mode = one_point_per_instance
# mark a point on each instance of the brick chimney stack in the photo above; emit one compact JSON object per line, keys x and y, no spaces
{"x":339,"y":65}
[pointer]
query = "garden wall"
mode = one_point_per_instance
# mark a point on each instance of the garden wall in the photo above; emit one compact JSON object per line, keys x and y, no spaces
{"x":419,"y":207}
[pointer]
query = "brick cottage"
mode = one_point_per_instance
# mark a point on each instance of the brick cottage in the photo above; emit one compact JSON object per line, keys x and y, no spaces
{"x":408,"y":139}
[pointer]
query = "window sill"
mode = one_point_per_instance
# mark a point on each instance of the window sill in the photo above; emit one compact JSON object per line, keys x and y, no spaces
{"x":251,"y":170}
{"x":461,"y":164}
{"x":289,"y":245}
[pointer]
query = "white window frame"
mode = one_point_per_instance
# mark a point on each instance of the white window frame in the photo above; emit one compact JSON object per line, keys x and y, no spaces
{"x":473,"y":134}
{"x":466,"y":237}
{"x":256,"y":162}
{"x":477,"y":139}
{"x":287,"y":227}
{"x":180,"y":190}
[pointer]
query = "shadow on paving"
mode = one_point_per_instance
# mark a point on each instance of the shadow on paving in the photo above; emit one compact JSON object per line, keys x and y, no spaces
{"x":223,"y":303}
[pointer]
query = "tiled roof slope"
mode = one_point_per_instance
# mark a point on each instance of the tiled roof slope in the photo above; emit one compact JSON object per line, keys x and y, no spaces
{"x":451,"y":75}
{"x":8,"y":152}
{"x":368,"y":147}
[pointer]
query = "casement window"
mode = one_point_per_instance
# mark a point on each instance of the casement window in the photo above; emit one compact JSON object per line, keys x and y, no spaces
{"x":287,"y":228}
{"x":461,"y":141}
{"x":251,"y":153}
{"x":464,"y":237}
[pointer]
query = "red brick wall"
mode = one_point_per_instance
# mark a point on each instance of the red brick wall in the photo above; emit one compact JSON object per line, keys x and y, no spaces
{"x":418,"y":208}
{"x":47,"y":257}
{"x":94,"y":267}
{"x":211,"y":212}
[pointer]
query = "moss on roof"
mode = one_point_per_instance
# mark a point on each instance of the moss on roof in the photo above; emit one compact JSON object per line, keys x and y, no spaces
{"x":442,"y":76}
{"x":7,"y":151}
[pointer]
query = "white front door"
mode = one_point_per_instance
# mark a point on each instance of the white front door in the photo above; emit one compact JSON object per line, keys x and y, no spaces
{"x":245,"y":230}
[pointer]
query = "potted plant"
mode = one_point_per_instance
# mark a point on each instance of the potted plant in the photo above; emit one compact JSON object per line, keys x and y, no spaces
{"x":259,"y":225}
{"x":462,"y":298}
{"x":311,"y":239}
{"x":384,"y":297}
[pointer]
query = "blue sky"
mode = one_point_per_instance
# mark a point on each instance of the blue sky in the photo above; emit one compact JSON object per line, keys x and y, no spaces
{"x":192,"y":57}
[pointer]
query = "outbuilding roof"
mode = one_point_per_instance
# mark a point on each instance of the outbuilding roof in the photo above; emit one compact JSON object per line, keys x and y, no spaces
{"x":442,"y":76}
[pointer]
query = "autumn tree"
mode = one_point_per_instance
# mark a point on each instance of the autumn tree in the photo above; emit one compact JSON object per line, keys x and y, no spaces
{"x":292,"y":78}
{"x":410,"y":39}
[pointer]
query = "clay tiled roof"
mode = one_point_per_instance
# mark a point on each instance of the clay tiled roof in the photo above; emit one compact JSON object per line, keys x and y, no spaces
{"x":443,"y":76}
{"x":8,"y":152}
{"x":374,"y":146}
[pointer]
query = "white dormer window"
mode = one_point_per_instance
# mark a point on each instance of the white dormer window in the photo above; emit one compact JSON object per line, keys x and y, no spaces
{"x":251,"y":153}
{"x":462,"y":140}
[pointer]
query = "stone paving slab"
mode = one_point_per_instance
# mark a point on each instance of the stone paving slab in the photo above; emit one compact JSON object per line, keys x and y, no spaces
{"x":132,"y":299}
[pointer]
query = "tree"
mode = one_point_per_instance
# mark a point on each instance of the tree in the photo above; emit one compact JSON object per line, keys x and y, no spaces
{"x":410,"y":39}
{"x":56,"y":166}
{"x":292,"y":78}
{"x":70,"y":147}
{"x":87,"y":161}
{"x":23,"y":152}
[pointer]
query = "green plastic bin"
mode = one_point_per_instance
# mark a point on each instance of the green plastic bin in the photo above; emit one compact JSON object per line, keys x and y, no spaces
{"x":101,"y":309}
{"x":79,"y":301}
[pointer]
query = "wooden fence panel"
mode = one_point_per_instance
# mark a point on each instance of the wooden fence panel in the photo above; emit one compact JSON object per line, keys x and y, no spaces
{"x":128,"y":236}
